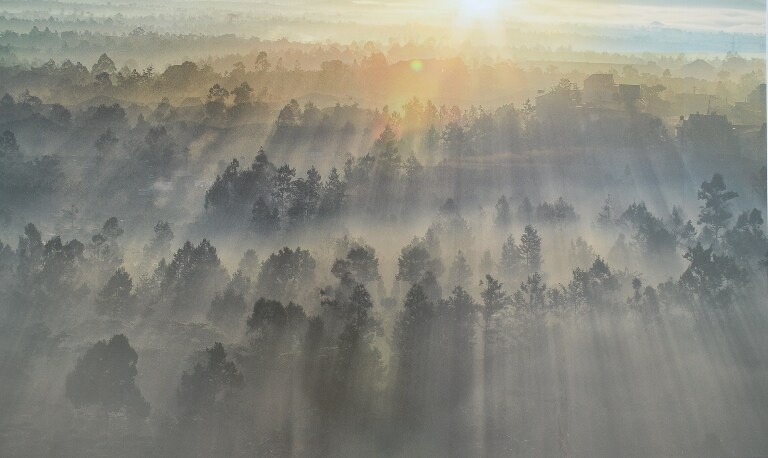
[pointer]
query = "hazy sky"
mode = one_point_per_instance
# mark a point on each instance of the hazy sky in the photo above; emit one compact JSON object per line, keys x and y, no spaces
{"x":729,"y":16}
{"x":745,"y":16}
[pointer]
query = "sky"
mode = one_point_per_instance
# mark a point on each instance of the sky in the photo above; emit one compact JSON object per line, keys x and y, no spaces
{"x":663,"y":26}
{"x":742,"y":16}
{"x":734,"y":16}
{"x":729,"y":16}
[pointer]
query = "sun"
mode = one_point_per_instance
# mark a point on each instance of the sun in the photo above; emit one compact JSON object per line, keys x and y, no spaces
{"x":479,"y":10}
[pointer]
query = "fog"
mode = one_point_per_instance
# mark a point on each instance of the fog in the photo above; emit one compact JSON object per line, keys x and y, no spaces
{"x":253,"y":229}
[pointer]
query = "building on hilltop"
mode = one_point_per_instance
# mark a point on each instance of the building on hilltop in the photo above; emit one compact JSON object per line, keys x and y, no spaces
{"x":600,"y":90}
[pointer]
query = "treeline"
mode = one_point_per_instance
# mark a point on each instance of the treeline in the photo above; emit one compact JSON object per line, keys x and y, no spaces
{"x":299,"y":365}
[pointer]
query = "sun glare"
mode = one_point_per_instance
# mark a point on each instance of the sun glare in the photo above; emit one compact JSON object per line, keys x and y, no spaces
{"x":479,"y":10}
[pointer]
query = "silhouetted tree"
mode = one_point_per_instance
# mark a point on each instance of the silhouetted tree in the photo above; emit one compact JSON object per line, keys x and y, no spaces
{"x":494,"y":300}
{"x":746,"y":239}
{"x":486,"y":263}
{"x":161,"y":241}
{"x":460,"y":273}
{"x":304,"y":197}
{"x":682,"y":230}
{"x":106,"y":143}
{"x":530,"y":249}
{"x":105,"y":376}
{"x":713,"y":279}
{"x":262,"y":62}
{"x":358,"y":368}
{"x":117,"y":298}
{"x":265,"y":220}
{"x":715,"y":212}
{"x":458,"y":316}
{"x":650,"y":235}
{"x":193,"y":274}
{"x":558,"y":213}
{"x":242,"y":93}
{"x":511,"y":258}
{"x":593,"y":287}
{"x":227,"y":308}
{"x":104,"y":65}
{"x":415,"y":261}
{"x":333,"y":196}
{"x":531,"y":296}
{"x":581,"y":253}
{"x":268,"y":321}
{"x":503,"y":215}
{"x":285,"y":273}
{"x":763,"y":264}
{"x":249,"y":264}
{"x":207,"y":384}
{"x":605,"y":216}
{"x":363,"y":265}
{"x":412,"y":338}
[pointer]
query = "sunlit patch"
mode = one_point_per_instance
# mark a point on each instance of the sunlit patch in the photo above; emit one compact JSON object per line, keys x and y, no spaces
{"x":417,"y":65}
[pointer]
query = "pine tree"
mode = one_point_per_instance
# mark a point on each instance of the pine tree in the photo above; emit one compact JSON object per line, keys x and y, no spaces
{"x":105,"y":376}
{"x":460,"y":273}
{"x":503,"y":215}
{"x":494,"y":299}
{"x":116,"y":298}
{"x":206,"y":384}
{"x":525,"y":210}
{"x":511,"y":257}
{"x":486,"y":263}
{"x":333,"y":196}
{"x":530,"y":249}
{"x":605,"y":217}
{"x":265,"y":219}
{"x":411,"y":342}
{"x":715,"y":212}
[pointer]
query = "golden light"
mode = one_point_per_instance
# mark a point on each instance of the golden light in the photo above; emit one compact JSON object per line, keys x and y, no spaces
{"x":479,"y":10}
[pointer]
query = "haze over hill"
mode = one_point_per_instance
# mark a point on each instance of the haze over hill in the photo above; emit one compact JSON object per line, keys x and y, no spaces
{"x":383,"y":228}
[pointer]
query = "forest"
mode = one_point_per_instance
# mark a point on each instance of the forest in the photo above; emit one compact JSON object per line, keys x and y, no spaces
{"x":222,"y":245}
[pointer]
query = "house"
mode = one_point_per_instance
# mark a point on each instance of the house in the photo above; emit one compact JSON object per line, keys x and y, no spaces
{"x":699,"y":68}
{"x":599,"y":90}
{"x":629,"y":93}
{"x":691,"y":103}
{"x":556,"y":103}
